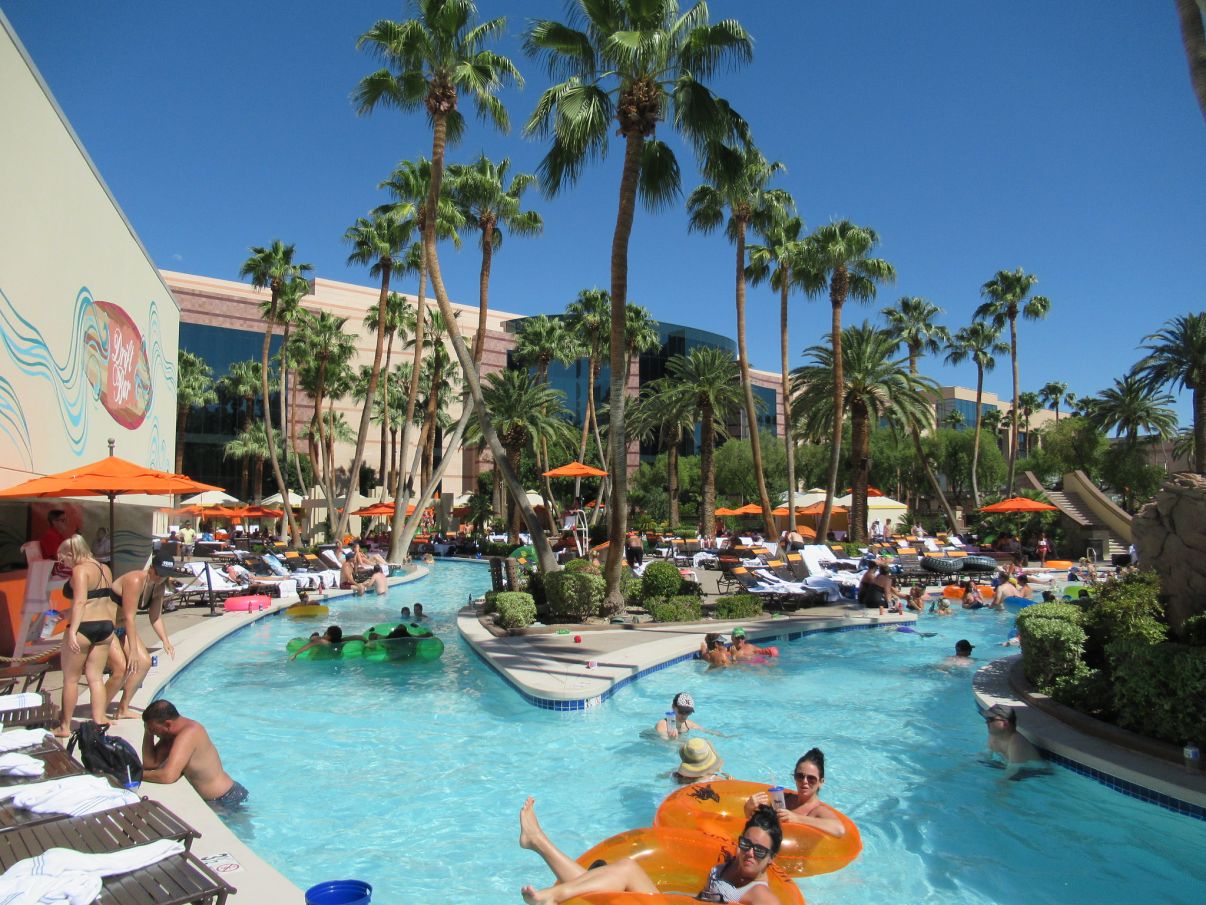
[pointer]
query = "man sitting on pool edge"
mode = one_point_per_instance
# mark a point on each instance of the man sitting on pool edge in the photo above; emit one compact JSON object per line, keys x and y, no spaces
{"x":175,"y":746}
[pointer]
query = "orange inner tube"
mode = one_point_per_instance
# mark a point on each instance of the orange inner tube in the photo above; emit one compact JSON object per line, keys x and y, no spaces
{"x":677,"y":861}
{"x":1059,"y":564}
{"x":718,"y":808}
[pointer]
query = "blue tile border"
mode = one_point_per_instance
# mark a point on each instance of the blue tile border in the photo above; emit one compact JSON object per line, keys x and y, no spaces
{"x":595,"y":701}
{"x":1130,"y":789}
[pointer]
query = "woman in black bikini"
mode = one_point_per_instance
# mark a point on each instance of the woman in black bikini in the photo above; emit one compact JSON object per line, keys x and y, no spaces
{"x":86,"y":641}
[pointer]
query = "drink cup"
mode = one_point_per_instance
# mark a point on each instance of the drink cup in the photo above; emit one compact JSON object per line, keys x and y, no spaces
{"x":777,"y":797}
{"x":1193,"y":758}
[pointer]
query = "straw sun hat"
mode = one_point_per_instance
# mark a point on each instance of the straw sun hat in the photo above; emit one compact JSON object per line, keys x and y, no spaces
{"x":698,"y":758}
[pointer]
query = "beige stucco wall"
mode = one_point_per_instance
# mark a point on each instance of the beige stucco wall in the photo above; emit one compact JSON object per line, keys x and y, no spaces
{"x":88,"y":330}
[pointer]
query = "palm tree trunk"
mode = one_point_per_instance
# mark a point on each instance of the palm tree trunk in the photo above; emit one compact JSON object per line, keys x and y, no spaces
{"x":751,"y":414}
{"x":301,"y":481}
{"x":259,"y":482}
{"x":389,"y":351}
{"x":672,"y":475}
{"x":975,"y":477}
{"x":930,"y":475}
{"x":790,"y":447}
{"x":544,"y":553}
{"x":1013,"y":414}
{"x":707,"y":470}
{"x":245,"y":477}
{"x":483,"y":291}
{"x":366,"y":414}
{"x":454,"y":445}
{"x":401,"y":491}
{"x":245,"y":486}
{"x":860,"y":470}
{"x":617,"y":513}
{"x":838,"y":285}
{"x":513,"y":456}
{"x":294,"y":534}
{"x":1193,"y":36}
{"x":181,"y":418}
{"x":281,"y":397}
{"x":393,"y":461}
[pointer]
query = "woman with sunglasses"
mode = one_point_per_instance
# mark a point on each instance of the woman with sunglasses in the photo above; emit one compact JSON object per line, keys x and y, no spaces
{"x":803,"y":805}
{"x":741,"y":878}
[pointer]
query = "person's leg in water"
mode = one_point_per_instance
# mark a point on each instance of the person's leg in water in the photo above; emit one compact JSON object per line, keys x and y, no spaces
{"x":572,"y":878}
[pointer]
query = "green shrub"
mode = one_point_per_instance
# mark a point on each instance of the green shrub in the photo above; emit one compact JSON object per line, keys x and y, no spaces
{"x":739,"y":606}
{"x":491,"y":604}
{"x":581,"y":565}
{"x":1159,"y":689}
{"x":515,"y":609}
{"x":1193,"y":632}
{"x":1051,"y":648}
{"x":1069,"y":612}
{"x":680,"y":608}
{"x":534,"y":585}
{"x":661,"y":579}
{"x":1126,"y":607}
{"x":1086,"y":690}
{"x":630,"y":587}
{"x":489,"y":548}
{"x":573,"y":596}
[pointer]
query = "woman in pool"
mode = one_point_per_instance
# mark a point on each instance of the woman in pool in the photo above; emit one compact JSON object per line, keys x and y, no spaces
{"x":972,"y":598}
{"x":739,"y":879}
{"x":699,"y":763}
{"x":683,"y":706}
{"x":86,"y":642}
{"x":803,"y":805}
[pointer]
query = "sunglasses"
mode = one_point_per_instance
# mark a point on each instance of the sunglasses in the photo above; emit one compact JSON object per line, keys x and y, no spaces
{"x":807,"y":777}
{"x":760,"y":851}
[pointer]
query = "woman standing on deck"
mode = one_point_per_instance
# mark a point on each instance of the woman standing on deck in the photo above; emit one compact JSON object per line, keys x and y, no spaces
{"x":131,"y":659}
{"x":86,"y":642}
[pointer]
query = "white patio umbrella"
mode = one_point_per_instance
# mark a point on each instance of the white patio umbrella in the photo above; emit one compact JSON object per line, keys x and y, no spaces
{"x":295,"y":499}
{"x":210,"y":498}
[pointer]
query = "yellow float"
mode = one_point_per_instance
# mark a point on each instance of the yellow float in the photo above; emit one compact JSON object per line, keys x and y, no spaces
{"x":307,"y":610}
{"x":678,"y":862}
{"x":718,"y":808}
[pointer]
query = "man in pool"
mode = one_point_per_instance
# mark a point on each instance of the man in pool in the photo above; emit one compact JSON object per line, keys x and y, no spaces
{"x":741,"y":649}
{"x":1004,"y":740}
{"x":333,"y":635}
{"x":175,"y":746}
{"x":963,"y":654}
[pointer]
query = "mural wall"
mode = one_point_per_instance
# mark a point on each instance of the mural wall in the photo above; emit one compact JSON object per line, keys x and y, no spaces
{"x":88,"y":329}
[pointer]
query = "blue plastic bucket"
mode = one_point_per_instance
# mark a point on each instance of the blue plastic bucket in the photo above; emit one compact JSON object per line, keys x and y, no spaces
{"x":340,"y":892}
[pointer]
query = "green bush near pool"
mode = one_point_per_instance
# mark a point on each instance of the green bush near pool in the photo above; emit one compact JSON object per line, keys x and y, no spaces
{"x":573,"y":596}
{"x":739,"y":606}
{"x":516,"y":609}
{"x":680,"y":608}
{"x":661,"y":579}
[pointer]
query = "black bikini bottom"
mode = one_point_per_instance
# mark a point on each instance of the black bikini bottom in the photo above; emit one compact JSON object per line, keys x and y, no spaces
{"x":97,"y":631}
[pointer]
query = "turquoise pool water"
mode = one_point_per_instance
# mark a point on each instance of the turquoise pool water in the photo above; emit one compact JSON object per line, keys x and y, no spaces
{"x":411,"y":777}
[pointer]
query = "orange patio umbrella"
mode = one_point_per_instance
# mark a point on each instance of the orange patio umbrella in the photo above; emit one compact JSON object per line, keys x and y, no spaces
{"x":575,"y":470}
{"x":725,"y":511}
{"x":109,"y":477}
{"x":871,"y":491}
{"x":1019,"y":504}
{"x":749,"y":509}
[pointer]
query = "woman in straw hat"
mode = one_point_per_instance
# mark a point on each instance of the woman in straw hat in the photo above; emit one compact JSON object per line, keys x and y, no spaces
{"x":700,"y":762}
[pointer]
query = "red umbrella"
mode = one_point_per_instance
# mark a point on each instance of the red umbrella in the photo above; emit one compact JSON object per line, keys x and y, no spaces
{"x":1019,"y":504}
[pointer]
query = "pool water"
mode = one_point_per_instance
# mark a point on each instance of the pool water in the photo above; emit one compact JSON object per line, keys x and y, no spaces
{"x":411,"y":776}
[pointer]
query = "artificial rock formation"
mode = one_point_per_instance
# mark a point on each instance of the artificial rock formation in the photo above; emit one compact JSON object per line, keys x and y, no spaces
{"x":1170,"y":537}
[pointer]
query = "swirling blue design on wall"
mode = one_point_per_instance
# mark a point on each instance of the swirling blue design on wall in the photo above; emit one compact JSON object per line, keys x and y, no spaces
{"x":158,"y":455}
{"x":31,"y":354}
{"x":13,"y":424}
{"x":159,"y":361}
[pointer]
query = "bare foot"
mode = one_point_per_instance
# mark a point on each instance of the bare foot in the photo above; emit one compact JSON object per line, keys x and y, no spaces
{"x":62,"y":733}
{"x":534,"y":896}
{"x":530,"y":832}
{"x":125,"y":715}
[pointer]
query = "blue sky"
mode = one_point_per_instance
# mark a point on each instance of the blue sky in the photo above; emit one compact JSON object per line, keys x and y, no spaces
{"x":1059,"y":137}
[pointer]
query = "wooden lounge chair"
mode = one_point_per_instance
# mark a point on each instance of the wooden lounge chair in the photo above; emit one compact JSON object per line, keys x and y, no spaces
{"x":34,"y":675}
{"x":178,"y":880}
{"x":58,"y":764}
{"x":42,"y":716}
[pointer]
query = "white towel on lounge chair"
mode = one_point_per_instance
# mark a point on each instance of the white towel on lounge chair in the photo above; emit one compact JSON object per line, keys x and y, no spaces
{"x":19,"y":701}
{"x":21,"y":765}
{"x":72,"y":795}
{"x":21,"y":738}
{"x":62,"y":875}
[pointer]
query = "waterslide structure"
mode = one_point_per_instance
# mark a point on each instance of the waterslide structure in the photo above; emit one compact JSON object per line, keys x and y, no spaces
{"x":1093,"y":520}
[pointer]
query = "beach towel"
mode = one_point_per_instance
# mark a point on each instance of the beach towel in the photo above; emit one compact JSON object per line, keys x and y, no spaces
{"x":21,"y":765}
{"x":62,"y":875}
{"x":72,"y":795}
{"x":20,"y":701}
{"x":21,"y":738}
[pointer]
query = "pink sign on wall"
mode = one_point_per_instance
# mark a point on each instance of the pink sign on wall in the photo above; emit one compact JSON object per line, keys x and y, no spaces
{"x":118,"y":366}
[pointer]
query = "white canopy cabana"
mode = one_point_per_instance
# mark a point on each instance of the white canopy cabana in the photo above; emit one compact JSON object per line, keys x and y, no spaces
{"x":210,"y":498}
{"x":295,"y":499}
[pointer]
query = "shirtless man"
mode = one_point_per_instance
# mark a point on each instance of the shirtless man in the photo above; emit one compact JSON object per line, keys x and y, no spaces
{"x":175,"y":746}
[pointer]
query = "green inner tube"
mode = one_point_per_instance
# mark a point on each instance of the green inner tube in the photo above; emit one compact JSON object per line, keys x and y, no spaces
{"x":348,"y":650}
{"x":421,"y":645}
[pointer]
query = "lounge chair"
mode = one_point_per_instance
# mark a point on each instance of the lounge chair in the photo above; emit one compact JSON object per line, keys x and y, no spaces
{"x":34,"y":675}
{"x":39,"y":716}
{"x":56,"y":762}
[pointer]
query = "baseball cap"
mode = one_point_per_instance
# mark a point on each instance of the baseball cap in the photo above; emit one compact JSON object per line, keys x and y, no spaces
{"x":739,"y":632}
{"x":165,"y":567}
{"x":683,"y":702}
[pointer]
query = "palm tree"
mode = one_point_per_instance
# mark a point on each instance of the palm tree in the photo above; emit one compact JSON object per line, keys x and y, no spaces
{"x":634,"y":62}
{"x":954,"y":419}
{"x":242,"y":381}
{"x":273,"y":267}
{"x":706,"y":383}
{"x":522,"y":410}
{"x":378,"y":242}
{"x":661,"y":413}
{"x":777,"y":261}
{"x":912,"y":320}
{"x":588,"y":317}
{"x":1176,"y":357}
{"x":1029,"y":403}
{"x":438,"y":55}
{"x":837,"y":258}
{"x":980,"y":342}
{"x":397,"y":310}
{"x":738,"y":184}
{"x":481,"y":191}
{"x":1193,"y":35}
{"x":1052,"y":393}
{"x":288,"y":310}
{"x":1005,"y":297}
{"x":194,"y":387}
{"x":251,"y":444}
{"x":1129,"y":407}
{"x":875,"y":387}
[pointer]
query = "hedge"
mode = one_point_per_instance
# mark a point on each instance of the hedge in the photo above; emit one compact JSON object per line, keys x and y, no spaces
{"x":739,"y":606}
{"x":661,"y":579}
{"x":1051,"y":648}
{"x":1069,"y":612}
{"x":680,"y":608}
{"x":491,"y":604}
{"x":1158,"y":689}
{"x":582,"y":565}
{"x":630,"y":587}
{"x":1193,"y":632}
{"x":573,"y":596}
{"x":515,"y":609}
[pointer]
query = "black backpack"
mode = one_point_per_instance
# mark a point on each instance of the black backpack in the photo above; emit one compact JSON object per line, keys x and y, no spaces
{"x":102,"y":754}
